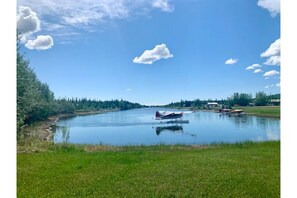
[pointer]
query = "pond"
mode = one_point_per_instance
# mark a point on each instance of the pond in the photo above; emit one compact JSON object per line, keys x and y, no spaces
{"x":138,"y":127}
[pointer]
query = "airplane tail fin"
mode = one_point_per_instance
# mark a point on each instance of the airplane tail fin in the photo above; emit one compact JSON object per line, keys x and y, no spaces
{"x":158,"y":114}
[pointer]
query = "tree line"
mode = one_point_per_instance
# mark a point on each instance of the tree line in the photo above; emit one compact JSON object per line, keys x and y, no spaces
{"x":237,"y":99}
{"x":36,"y":102}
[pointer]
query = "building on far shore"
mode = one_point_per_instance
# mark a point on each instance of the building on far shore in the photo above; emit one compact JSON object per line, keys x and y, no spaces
{"x":212,"y":105}
{"x":275,"y":102}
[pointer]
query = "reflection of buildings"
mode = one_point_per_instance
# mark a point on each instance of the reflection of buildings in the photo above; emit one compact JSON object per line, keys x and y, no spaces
{"x":174,"y":129}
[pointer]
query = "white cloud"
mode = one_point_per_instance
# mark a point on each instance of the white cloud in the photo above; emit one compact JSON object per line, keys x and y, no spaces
{"x":52,"y":27}
{"x":258,"y":70}
{"x":253,"y":66}
{"x":273,"y":6}
{"x":42,"y":42}
{"x":272,"y":85}
{"x":231,"y":61}
{"x":273,"y":60}
{"x":78,"y":12}
{"x":150,"y":56}
{"x":270,"y":73}
{"x":266,"y":78}
{"x":163,"y":5}
{"x":27,"y":21}
{"x":273,"y":50}
{"x":128,"y":89}
{"x":27,"y":24}
{"x":84,"y":13}
{"x":273,"y":54}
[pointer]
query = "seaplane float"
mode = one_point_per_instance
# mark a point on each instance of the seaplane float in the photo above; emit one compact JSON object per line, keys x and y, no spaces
{"x":172,"y":117}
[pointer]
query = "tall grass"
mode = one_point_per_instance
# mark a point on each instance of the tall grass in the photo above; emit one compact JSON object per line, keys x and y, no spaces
{"x":270,"y":111}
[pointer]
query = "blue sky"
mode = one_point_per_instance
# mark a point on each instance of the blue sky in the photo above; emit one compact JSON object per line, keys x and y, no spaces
{"x":153,"y":52}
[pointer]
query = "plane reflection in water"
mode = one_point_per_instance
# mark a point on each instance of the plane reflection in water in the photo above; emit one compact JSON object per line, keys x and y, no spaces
{"x":175,"y":129}
{"x":172,"y":129}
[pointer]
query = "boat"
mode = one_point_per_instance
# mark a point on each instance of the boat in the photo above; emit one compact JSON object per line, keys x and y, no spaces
{"x":237,"y":112}
{"x":230,"y":112}
{"x":225,"y":111}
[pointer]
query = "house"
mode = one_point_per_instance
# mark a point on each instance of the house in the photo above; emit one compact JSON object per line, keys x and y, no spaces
{"x":275,"y":102}
{"x":212,"y":105}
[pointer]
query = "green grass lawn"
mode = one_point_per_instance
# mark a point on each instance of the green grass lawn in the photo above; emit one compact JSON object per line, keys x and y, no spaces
{"x":236,"y":170}
{"x":270,"y":111}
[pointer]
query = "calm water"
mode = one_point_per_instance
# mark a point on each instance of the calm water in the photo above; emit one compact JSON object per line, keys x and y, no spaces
{"x":137,"y":127}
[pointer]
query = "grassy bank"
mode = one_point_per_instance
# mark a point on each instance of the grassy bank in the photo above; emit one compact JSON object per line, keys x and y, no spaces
{"x":238,"y":170}
{"x":268,"y":111}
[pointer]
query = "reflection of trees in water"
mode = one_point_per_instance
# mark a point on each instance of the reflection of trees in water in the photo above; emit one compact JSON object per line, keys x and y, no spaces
{"x":209,"y":116}
{"x":242,"y":121}
{"x":197,"y":116}
{"x":205,"y":116}
{"x":265,"y":123}
{"x":65,"y":133}
{"x":260,"y":122}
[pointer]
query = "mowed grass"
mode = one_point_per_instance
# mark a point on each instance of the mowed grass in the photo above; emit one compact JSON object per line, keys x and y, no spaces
{"x":235,"y":170}
{"x":269,"y":111}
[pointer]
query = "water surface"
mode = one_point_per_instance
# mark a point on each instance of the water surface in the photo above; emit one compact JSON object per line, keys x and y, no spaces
{"x":137,"y":127}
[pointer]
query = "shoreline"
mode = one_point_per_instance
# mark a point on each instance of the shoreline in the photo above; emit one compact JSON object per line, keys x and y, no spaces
{"x":43,"y":130}
{"x":244,"y":108}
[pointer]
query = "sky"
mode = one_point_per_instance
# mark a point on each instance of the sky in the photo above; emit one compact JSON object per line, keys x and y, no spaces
{"x":152,"y":51}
